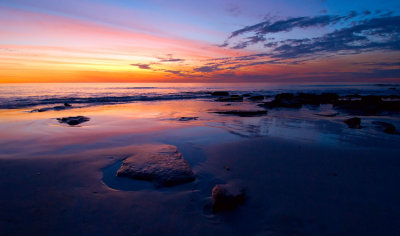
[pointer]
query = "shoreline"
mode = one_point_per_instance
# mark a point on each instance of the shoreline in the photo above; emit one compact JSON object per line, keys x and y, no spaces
{"x":304,"y":170}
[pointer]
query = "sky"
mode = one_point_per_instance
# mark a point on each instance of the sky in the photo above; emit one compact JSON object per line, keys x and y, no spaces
{"x":286,"y":41}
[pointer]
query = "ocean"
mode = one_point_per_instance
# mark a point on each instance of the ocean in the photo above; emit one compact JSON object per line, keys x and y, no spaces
{"x":30,"y":95}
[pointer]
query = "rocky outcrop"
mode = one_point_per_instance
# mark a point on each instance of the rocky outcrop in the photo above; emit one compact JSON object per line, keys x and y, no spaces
{"x":163,"y":164}
{"x":290,"y":100}
{"x":220,"y":93}
{"x":256,"y":98}
{"x":368,"y":105}
{"x":232,"y":98}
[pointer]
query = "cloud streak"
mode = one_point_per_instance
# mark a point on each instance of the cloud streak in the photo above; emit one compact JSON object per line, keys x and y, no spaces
{"x":142,"y":66}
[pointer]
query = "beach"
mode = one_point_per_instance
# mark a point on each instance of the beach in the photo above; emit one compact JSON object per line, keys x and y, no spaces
{"x":304,"y":171}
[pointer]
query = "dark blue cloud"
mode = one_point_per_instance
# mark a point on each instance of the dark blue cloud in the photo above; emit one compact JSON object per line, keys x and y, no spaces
{"x":368,"y":35}
{"x":268,"y":27}
{"x":364,"y":32}
{"x":142,"y":66}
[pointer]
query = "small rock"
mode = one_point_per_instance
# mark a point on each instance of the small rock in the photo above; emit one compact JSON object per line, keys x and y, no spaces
{"x":73,"y":120}
{"x":354,"y":123}
{"x":43,"y":109}
{"x":387,"y":127}
{"x":227,"y":197}
{"x":188,"y":118}
{"x":67,"y":104}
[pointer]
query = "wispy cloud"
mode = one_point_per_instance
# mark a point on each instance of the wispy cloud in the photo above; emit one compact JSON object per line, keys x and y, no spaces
{"x":170,"y":58}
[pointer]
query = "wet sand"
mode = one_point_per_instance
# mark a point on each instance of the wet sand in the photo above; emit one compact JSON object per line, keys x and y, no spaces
{"x":303,"y":174}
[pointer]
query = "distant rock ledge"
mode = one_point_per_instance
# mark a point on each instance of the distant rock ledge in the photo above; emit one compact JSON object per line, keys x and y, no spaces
{"x":163,"y":164}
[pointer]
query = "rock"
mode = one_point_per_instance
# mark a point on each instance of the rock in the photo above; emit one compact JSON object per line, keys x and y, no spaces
{"x":188,"y":118}
{"x":232,"y":98}
{"x":246,"y":95}
{"x":282,"y":104}
{"x":227,"y":197}
{"x":286,"y":96}
{"x":387,"y":127}
{"x":55,"y":108}
{"x":256,"y":98}
{"x":371,"y":100}
{"x":352,"y":96}
{"x":317,"y":99}
{"x":243,"y":113}
{"x":58,"y":108}
{"x":73,"y":120}
{"x":327,"y":114}
{"x":354,"y":123}
{"x":163,"y":164}
{"x":220,"y":93}
{"x":328,"y":98}
{"x":289,"y":100}
{"x":392,"y":96}
{"x":43,"y":109}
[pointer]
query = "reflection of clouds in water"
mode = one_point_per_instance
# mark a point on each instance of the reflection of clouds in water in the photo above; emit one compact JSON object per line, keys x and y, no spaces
{"x":329,"y":131}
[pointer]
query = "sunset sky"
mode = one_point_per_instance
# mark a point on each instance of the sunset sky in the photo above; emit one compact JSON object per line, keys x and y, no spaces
{"x":287,"y":41}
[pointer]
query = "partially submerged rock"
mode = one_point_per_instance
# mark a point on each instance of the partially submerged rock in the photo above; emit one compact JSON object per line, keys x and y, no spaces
{"x":73,"y":120}
{"x":387,"y":127}
{"x":354,"y":123}
{"x":282,"y":103}
{"x":243,"y":113}
{"x":232,"y":98}
{"x":163,"y":164}
{"x":368,"y":105}
{"x":256,"y":98}
{"x":188,"y":118}
{"x":290,"y":100}
{"x":55,"y":108}
{"x":220,"y":93}
{"x":327,"y":114}
{"x":227,"y":197}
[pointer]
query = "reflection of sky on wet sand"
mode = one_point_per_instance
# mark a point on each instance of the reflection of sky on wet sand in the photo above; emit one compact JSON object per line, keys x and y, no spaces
{"x":126,"y":124}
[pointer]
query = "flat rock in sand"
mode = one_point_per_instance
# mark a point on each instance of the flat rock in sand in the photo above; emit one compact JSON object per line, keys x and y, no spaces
{"x":163,"y":164}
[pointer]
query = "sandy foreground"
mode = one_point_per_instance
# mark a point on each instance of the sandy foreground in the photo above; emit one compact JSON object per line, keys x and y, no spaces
{"x":302,"y":177}
{"x":293,"y":188}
